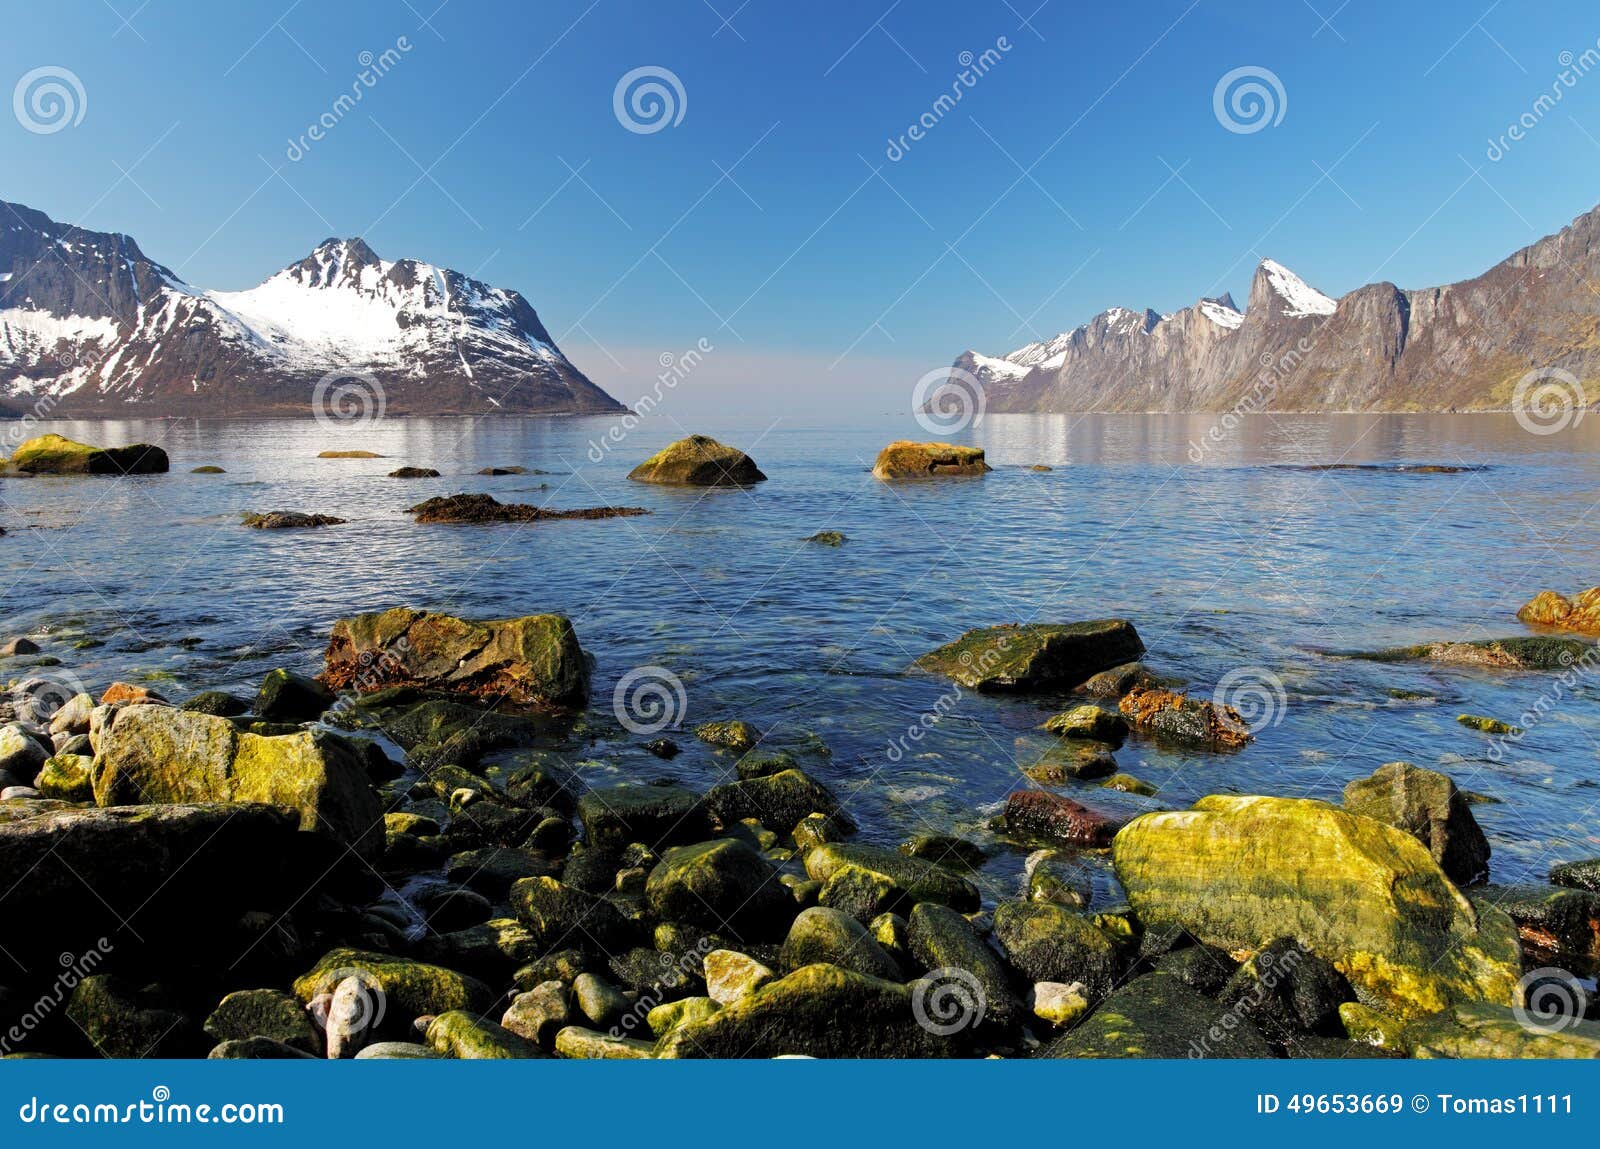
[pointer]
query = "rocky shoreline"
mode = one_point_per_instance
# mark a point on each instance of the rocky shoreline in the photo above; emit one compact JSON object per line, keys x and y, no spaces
{"x":408,"y":857}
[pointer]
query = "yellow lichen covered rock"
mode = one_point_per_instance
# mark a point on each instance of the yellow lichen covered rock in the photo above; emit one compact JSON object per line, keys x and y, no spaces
{"x":1237,"y":872}
{"x":162,"y":755}
{"x":908,"y":460}
{"x":698,"y":461}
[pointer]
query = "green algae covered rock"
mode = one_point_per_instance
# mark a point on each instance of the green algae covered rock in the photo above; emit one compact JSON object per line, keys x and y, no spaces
{"x":159,"y":754}
{"x":821,"y":934}
{"x":698,"y":461}
{"x":409,"y":988}
{"x":1238,"y":872}
{"x":1157,"y":1016}
{"x":1037,"y":656}
{"x":1523,"y":652}
{"x":564,"y":917}
{"x":915,"y":879}
{"x":1426,"y":805}
{"x":819,"y":1011}
{"x":457,"y":1033}
{"x":534,"y":660}
{"x":270,"y":1013}
{"x":722,"y":884}
{"x":778,"y":801}
{"x":1480,"y":1030}
{"x":733,"y":734}
{"x":122,"y":1021}
{"x":1089,"y":722}
{"x":664,"y":1019}
{"x":577,"y":1042}
{"x":1047,"y":942}
{"x":907,"y":460}
{"x":946,"y":944}
{"x":289,"y":697}
{"x":67,"y":777}
{"x":55,"y":455}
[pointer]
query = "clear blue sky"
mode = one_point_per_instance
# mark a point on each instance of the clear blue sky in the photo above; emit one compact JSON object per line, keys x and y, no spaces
{"x":811,"y":275}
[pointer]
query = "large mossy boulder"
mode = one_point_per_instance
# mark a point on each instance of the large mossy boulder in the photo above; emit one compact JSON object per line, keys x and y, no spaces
{"x":1480,"y":1030}
{"x":816,"y":1011}
{"x":1238,"y":872}
{"x":820,"y":934}
{"x":1158,"y":1016}
{"x":268,"y":1013}
{"x":1426,"y":805}
{"x":905,"y":880}
{"x":159,"y":754}
{"x":698,"y":461}
{"x":403,"y":989}
{"x":721,"y":885}
{"x":182,"y":874}
{"x":55,"y":455}
{"x":530,"y":661}
{"x":1036,"y":656}
{"x":904,"y":459}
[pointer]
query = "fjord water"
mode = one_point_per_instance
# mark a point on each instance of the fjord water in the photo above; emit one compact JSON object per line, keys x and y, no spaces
{"x":1245,"y":561}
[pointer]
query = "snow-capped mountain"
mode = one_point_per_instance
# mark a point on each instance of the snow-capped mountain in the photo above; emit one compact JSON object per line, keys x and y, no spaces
{"x":90,"y":326}
{"x":1464,"y":346}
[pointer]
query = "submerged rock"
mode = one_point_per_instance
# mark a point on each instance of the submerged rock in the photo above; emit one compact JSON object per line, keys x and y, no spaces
{"x":1090,"y":723}
{"x":907,"y":460}
{"x":414,"y":473}
{"x":733,"y":734}
{"x":828,"y":539}
{"x":531,"y":660}
{"x":348,"y":455}
{"x":164,"y":755}
{"x":288,"y":520}
{"x":1426,"y":805}
{"x":55,"y":455}
{"x":1558,"y":612}
{"x":698,"y":461}
{"x":1579,"y":875}
{"x":1487,"y":725}
{"x":1037,"y":656}
{"x":1520,"y":653}
{"x":487,"y":509}
{"x":1237,"y":872}
{"x":1183,"y":720}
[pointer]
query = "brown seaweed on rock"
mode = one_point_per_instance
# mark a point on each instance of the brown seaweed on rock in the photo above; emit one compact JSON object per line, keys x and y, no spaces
{"x":467,"y":508}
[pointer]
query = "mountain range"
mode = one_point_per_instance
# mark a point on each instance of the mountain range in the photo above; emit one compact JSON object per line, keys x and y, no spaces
{"x":90,"y":326}
{"x":1463,"y":347}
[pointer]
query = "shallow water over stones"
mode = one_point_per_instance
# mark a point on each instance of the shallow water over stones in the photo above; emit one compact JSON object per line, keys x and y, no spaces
{"x":1245,"y":561}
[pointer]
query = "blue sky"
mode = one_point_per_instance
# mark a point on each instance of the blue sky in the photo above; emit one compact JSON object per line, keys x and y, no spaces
{"x":1085,"y":168}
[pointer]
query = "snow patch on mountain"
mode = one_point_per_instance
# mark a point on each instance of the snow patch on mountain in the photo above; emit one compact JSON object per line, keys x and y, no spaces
{"x":1300,"y":299}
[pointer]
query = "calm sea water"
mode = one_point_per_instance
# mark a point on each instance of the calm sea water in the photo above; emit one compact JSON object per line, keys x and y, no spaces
{"x":1240,"y":563}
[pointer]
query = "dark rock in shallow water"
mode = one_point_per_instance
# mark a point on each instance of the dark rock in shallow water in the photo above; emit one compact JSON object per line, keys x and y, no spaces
{"x":414,"y":473}
{"x":1204,"y":969}
{"x":698,"y":461}
{"x":731,"y":735}
{"x":1426,"y":805}
{"x":217,"y":702}
{"x":1580,"y":875}
{"x":1038,"y":656}
{"x":1185,"y":721}
{"x":956,"y":853}
{"x":654,"y":815}
{"x":778,"y":801}
{"x":1158,"y":1016}
{"x":1052,"y":818}
{"x":904,"y":459}
{"x":208,"y":469}
{"x":828,"y":538}
{"x":527,"y":661}
{"x":1286,"y":989}
{"x":1559,"y":924}
{"x":289,"y":697}
{"x":487,"y":509}
{"x":288,"y":520}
